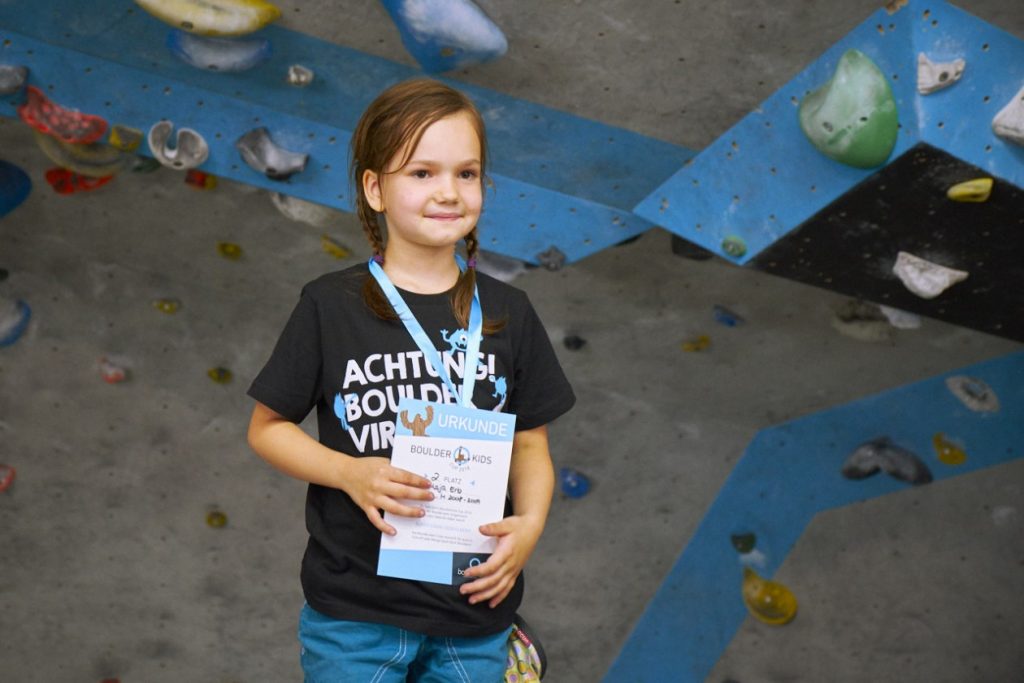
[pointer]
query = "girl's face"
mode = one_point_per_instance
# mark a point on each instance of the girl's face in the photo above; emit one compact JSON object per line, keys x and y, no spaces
{"x":434,"y":200}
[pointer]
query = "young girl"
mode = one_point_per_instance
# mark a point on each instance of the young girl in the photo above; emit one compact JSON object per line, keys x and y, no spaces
{"x":418,"y":162}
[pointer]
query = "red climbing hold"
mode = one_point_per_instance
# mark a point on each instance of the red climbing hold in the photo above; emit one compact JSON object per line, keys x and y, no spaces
{"x":69,"y":125}
{"x":64,"y":181}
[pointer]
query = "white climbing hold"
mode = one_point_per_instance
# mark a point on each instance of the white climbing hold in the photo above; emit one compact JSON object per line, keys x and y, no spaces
{"x":901,"y":320}
{"x":924,"y":278}
{"x":932,"y":76}
{"x":973,"y":393}
{"x":1009,"y":122}
{"x":317,"y":215}
{"x":189,"y":150}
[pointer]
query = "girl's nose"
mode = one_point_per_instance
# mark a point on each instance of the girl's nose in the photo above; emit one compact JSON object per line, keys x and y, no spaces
{"x":446,"y":189}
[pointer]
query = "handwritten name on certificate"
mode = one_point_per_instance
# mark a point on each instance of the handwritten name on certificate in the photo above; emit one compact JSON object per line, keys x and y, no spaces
{"x":465,"y":453}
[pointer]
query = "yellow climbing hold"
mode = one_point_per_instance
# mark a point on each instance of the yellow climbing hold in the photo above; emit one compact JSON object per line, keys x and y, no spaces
{"x":697,"y":343}
{"x":216,"y":519}
{"x":948,"y":452}
{"x":213,"y":17}
{"x":219,"y":375}
{"x":334,"y":248}
{"x":768,"y":601}
{"x":125,"y":138}
{"x":167,"y":305}
{"x":229,"y":250}
{"x":977,"y":190}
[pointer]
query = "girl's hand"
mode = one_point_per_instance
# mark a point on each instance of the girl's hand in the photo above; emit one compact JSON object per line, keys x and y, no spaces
{"x":494,"y":579}
{"x":376,"y":486}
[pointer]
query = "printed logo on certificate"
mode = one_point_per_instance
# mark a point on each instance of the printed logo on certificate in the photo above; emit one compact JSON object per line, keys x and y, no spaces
{"x":465,"y":453}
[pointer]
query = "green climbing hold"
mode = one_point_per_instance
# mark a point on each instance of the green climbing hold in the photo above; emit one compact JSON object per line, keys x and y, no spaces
{"x":734,"y":246}
{"x":744,"y":543}
{"x":852,"y":118}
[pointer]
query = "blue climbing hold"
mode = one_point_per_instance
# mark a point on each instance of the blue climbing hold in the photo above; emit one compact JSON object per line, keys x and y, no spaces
{"x":14,"y":319}
{"x":574,"y":483}
{"x":446,"y":34}
{"x":15,"y":186}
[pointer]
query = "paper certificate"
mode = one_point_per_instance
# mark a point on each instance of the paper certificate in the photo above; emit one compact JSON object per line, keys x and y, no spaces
{"x":465,"y":453}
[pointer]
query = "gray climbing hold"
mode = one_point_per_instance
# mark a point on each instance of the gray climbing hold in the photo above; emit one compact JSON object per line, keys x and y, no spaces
{"x":934,"y":76}
{"x":189,"y":150}
{"x":299,"y":75}
{"x":93,"y":160}
{"x":12,"y":78}
{"x":882,"y":454}
{"x":504,"y":268}
{"x":973,"y":393}
{"x":311,"y":213}
{"x":552,"y":259}
{"x":262,"y":155}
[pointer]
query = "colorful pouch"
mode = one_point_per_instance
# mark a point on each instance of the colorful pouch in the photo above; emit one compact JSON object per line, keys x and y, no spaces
{"x":526,"y":660}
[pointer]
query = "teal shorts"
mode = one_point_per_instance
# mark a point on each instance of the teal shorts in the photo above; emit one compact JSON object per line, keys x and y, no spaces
{"x":336,"y":651}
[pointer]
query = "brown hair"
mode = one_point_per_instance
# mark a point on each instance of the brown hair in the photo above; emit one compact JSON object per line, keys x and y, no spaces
{"x":394,"y":121}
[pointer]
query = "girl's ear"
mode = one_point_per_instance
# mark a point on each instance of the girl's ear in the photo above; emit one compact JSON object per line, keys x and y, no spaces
{"x":372,"y":190}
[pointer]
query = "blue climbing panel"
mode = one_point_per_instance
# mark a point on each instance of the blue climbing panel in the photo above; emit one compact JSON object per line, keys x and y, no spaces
{"x":788,"y":474}
{"x":561,"y":180}
{"x":763,"y":178}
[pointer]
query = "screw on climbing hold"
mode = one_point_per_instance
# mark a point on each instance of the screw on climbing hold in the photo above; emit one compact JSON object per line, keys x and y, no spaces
{"x":189,"y":150}
{"x":698,"y":343}
{"x":574,"y":342}
{"x":219,"y":375}
{"x":51,"y":118}
{"x":976,"y":190}
{"x":726,"y":317}
{"x":299,"y":75}
{"x":734,"y":246}
{"x":743,"y":543}
{"x":573,"y":483}
{"x":883,"y":454}
{"x":216,"y":519}
{"x":934,"y":76}
{"x":6,"y":476}
{"x":167,"y":305}
{"x":852,"y":118}
{"x":270,"y":159}
{"x":217,"y":54}
{"x":766,"y":600}
{"x":334,"y":247}
{"x":12,"y":78}
{"x":552,"y":259}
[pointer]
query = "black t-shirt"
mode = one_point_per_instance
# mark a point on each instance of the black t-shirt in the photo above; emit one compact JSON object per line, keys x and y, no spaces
{"x":336,"y":355}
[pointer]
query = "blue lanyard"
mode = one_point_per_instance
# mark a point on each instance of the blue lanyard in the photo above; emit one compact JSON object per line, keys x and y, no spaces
{"x":474,"y":334}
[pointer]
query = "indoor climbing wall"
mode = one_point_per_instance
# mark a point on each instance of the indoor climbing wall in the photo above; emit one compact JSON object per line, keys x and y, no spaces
{"x":567,"y":184}
{"x":866,"y":146}
{"x":939,"y":428}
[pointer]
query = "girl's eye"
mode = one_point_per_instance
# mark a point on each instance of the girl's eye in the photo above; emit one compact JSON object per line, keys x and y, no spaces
{"x":469,"y":175}
{"x":420,"y":173}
